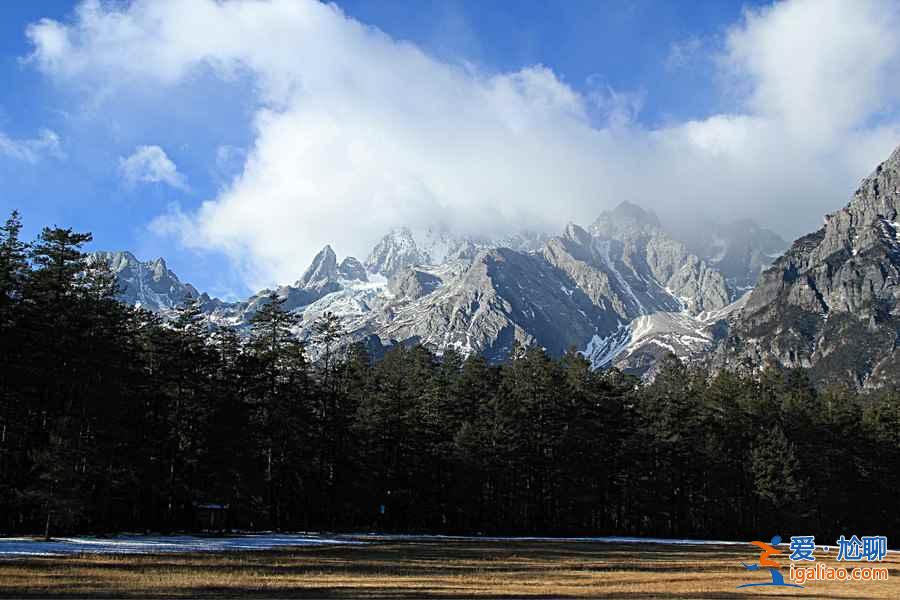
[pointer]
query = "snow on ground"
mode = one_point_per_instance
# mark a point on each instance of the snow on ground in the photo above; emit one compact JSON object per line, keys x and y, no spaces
{"x":601,"y":351}
{"x":139,"y":544}
{"x":374,"y":537}
{"x":601,"y":540}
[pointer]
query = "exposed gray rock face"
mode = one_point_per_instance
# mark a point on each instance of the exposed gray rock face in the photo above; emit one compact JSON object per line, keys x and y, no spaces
{"x":395,"y":251}
{"x":412,"y":283}
{"x":502,"y":297}
{"x":830,"y":303}
{"x":352,"y":270}
{"x":322,"y":278}
{"x":149,"y":284}
{"x":582,"y":289}
{"x":629,"y":240}
{"x":662,"y":298}
{"x":322,"y":273}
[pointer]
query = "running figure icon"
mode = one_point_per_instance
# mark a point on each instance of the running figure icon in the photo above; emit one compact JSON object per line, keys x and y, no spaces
{"x":766,"y":562}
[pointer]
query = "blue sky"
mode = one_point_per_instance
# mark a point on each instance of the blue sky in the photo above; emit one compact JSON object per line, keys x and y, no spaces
{"x":625,"y":45}
{"x":246,"y":156}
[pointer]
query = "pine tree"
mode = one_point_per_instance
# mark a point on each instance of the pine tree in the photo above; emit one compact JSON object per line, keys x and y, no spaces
{"x":14,"y":271}
{"x":59,"y":260}
{"x":671,"y":420}
{"x":13,"y":268}
{"x":227,"y":463}
{"x":53,"y":324}
{"x":775,"y":468}
{"x":278,"y":397}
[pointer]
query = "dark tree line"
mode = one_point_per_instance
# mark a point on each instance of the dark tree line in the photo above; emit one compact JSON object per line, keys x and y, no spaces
{"x":112,"y":420}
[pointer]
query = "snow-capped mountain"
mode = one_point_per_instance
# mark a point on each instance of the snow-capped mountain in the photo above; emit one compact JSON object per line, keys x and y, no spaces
{"x":623,"y":292}
{"x":395,"y":251}
{"x":659,"y":297}
{"x":403,"y":247}
{"x":149,"y":284}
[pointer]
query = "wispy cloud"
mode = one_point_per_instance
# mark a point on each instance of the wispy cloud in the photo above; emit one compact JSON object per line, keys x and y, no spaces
{"x":149,"y":164}
{"x":684,"y":53}
{"x":31,"y":150}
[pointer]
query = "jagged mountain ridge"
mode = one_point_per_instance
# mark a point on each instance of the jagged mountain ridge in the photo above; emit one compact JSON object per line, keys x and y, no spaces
{"x":623,"y":292}
{"x":831,"y":303}
{"x":402,"y":247}
{"x":149,"y":284}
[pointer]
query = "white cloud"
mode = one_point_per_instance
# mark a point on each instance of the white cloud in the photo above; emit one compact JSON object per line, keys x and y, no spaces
{"x":819,"y":67}
{"x":356,"y":132}
{"x":149,"y":164}
{"x":31,"y":150}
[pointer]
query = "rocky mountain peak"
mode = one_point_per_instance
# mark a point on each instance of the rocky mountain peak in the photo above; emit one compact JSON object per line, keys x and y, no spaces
{"x":396,"y":250}
{"x":626,"y":220}
{"x":117,"y":261}
{"x":577,"y":234}
{"x":831,"y":303}
{"x":870,"y":218}
{"x":149,"y":284}
{"x":322,"y":271}
{"x":352,"y":270}
{"x":160,"y":269}
{"x":624,"y":291}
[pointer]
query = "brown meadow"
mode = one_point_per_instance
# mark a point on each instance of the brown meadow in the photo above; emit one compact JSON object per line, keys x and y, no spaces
{"x":430,"y":569}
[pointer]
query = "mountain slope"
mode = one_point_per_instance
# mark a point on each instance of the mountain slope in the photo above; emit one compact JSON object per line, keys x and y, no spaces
{"x":149,"y":284}
{"x":830,"y":303}
{"x":501,"y":297}
{"x":581,"y":290}
{"x":624,"y":292}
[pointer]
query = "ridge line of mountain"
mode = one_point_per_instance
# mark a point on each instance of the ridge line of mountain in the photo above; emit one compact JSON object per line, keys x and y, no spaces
{"x":623,"y":291}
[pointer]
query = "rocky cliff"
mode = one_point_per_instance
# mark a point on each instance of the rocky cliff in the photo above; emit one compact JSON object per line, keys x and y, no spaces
{"x":830,"y":303}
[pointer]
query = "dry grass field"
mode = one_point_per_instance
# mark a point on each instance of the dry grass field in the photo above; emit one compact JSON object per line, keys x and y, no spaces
{"x":425,"y":569}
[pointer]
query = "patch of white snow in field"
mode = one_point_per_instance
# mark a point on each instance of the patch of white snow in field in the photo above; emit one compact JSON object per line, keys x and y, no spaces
{"x":586,"y":539}
{"x":601,"y":539}
{"x":139,"y":544}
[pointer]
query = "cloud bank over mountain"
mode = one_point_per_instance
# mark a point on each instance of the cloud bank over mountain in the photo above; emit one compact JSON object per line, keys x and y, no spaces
{"x":356,"y":132}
